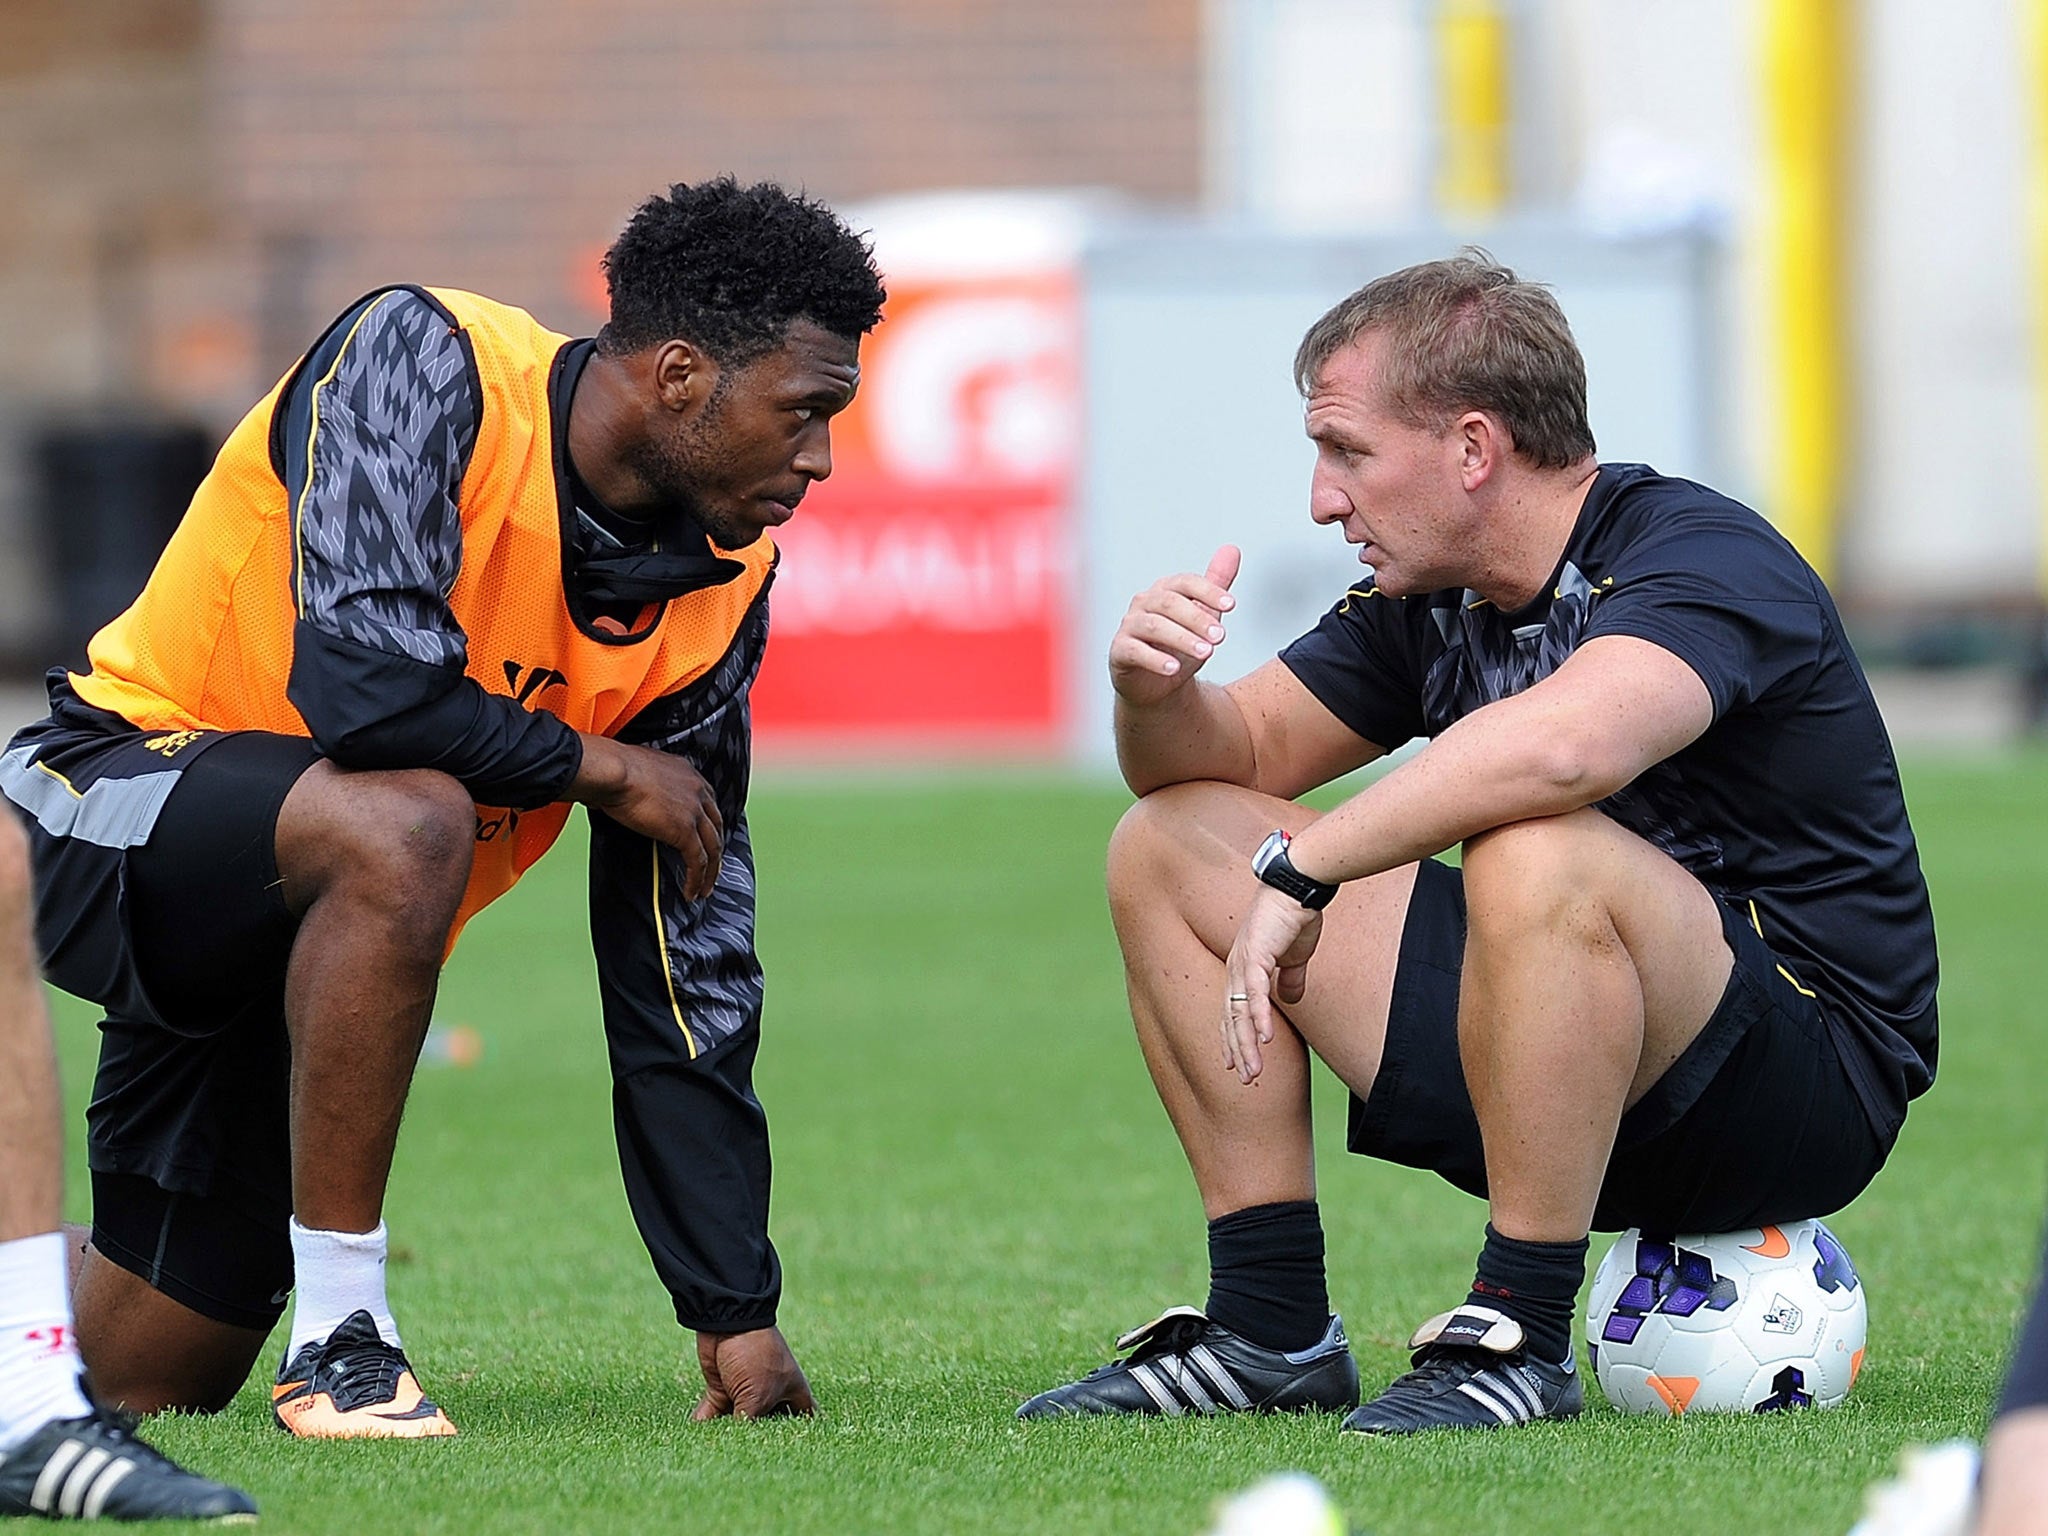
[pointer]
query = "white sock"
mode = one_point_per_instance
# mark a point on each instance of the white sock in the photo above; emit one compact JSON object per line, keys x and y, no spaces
{"x":38,"y":1352}
{"x":336,"y":1273}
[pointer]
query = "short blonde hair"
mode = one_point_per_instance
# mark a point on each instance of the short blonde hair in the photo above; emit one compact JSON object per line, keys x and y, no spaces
{"x":1466,"y":334}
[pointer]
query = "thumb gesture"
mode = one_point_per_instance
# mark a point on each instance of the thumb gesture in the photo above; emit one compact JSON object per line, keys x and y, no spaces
{"x":1171,"y":629}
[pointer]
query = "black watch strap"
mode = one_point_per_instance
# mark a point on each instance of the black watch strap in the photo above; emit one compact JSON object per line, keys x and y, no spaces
{"x":1272,"y":866}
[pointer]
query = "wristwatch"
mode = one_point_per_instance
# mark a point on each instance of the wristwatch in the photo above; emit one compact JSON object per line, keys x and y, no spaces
{"x":1272,"y":865}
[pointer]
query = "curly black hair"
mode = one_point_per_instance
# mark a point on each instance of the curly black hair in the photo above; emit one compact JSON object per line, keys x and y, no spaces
{"x":727,"y":268}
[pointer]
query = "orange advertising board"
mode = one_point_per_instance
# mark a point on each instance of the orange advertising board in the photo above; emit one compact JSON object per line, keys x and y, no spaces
{"x":925,"y":591}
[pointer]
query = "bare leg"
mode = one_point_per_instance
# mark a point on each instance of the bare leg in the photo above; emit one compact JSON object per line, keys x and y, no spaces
{"x":1179,"y":879}
{"x":147,"y":1352}
{"x":1180,"y":882}
{"x":376,"y":863}
{"x":1592,"y":960}
{"x":2014,"y":1490}
{"x":31,"y":1114}
{"x":51,"y":1426}
{"x":39,"y":1358}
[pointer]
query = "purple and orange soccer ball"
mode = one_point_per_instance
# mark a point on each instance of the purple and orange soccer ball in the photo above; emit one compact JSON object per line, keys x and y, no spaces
{"x":1728,"y":1322}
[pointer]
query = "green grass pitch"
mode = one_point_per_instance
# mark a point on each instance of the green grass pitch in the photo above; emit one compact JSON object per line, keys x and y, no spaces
{"x":976,"y":1191}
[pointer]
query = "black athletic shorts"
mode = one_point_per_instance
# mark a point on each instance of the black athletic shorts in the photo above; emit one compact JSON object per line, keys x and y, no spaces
{"x":1756,"y":1122}
{"x":158,"y":897}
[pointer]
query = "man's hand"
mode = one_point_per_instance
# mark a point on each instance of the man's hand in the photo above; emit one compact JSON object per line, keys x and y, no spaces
{"x":659,"y":796}
{"x":1268,"y":961}
{"x":750,"y":1376}
{"x":1171,"y":629}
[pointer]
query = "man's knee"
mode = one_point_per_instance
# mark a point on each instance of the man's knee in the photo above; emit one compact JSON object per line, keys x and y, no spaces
{"x":1143,"y":834}
{"x":402,"y":838}
{"x":1162,"y":845}
{"x":142,"y":1384}
{"x":1548,"y":874}
{"x":148,"y":1354}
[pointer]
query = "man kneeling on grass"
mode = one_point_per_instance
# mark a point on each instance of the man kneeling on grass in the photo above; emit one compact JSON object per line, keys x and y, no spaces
{"x":1685,"y":978}
{"x":454,"y":576}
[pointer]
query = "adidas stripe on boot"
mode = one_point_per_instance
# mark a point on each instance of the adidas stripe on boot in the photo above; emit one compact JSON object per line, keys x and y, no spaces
{"x":1471,"y":1371}
{"x":96,"y":1468}
{"x":1182,"y":1363}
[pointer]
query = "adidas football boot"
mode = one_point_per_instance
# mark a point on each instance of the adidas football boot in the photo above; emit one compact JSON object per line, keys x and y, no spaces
{"x":1471,"y":1371}
{"x":1180,"y":1362}
{"x":352,"y":1385}
{"x":95,"y":1468}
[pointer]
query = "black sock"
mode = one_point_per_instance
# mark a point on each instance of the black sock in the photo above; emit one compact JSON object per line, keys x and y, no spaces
{"x":1266,"y":1274}
{"x":1537,"y":1284}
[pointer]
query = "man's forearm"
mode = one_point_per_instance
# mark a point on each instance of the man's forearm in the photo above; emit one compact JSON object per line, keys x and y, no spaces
{"x":602,"y":777}
{"x":1491,"y":768}
{"x":367,"y":708}
{"x":1194,"y":733}
{"x":1614,"y":708}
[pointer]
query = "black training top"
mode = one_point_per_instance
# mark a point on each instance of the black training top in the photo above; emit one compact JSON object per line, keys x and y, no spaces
{"x":1789,"y":805}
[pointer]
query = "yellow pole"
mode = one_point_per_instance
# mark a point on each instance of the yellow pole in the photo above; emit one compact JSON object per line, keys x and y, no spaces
{"x":1808,"y":48}
{"x":2035,"y":21}
{"x":2037,"y":222}
{"x":1472,"y":106}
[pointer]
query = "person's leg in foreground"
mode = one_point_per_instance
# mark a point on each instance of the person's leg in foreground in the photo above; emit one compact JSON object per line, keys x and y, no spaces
{"x":60,"y":1456}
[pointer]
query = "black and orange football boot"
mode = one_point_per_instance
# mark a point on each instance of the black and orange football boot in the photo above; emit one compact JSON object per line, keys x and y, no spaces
{"x":352,"y":1385}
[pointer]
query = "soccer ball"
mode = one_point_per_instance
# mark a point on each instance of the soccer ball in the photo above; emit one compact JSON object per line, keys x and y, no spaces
{"x":1731,"y":1322}
{"x":1285,"y":1504}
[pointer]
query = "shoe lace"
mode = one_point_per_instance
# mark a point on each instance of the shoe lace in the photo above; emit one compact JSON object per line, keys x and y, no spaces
{"x":1174,"y":1337}
{"x":119,"y":1420}
{"x":365,"y":1375}
{"x":1439,"y":1364}
{"x":117,"y":1431}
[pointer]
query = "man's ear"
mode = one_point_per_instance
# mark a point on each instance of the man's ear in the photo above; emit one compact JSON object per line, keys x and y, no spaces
{"x":683,"y":376}
{"x":1481,"y":444}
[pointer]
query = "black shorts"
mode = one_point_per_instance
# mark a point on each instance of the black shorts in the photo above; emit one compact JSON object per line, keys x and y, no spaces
{"x":1756,"y":1122}
{"x":158,"y":897}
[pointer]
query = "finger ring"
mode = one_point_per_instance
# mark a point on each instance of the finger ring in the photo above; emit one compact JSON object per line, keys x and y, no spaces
{"x":1240,"y":997}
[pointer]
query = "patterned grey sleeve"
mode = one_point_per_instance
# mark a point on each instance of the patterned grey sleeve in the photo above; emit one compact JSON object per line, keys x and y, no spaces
{"x":691,"y":971}
{"x":682,"y":992}
{"x":379,"y":429}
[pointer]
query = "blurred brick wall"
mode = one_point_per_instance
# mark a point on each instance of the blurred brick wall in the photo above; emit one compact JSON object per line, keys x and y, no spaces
{"x":194,"y":186}
{"x":102,"y":105}
{"x":105,"y":185}
{"x":497,"y":144}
